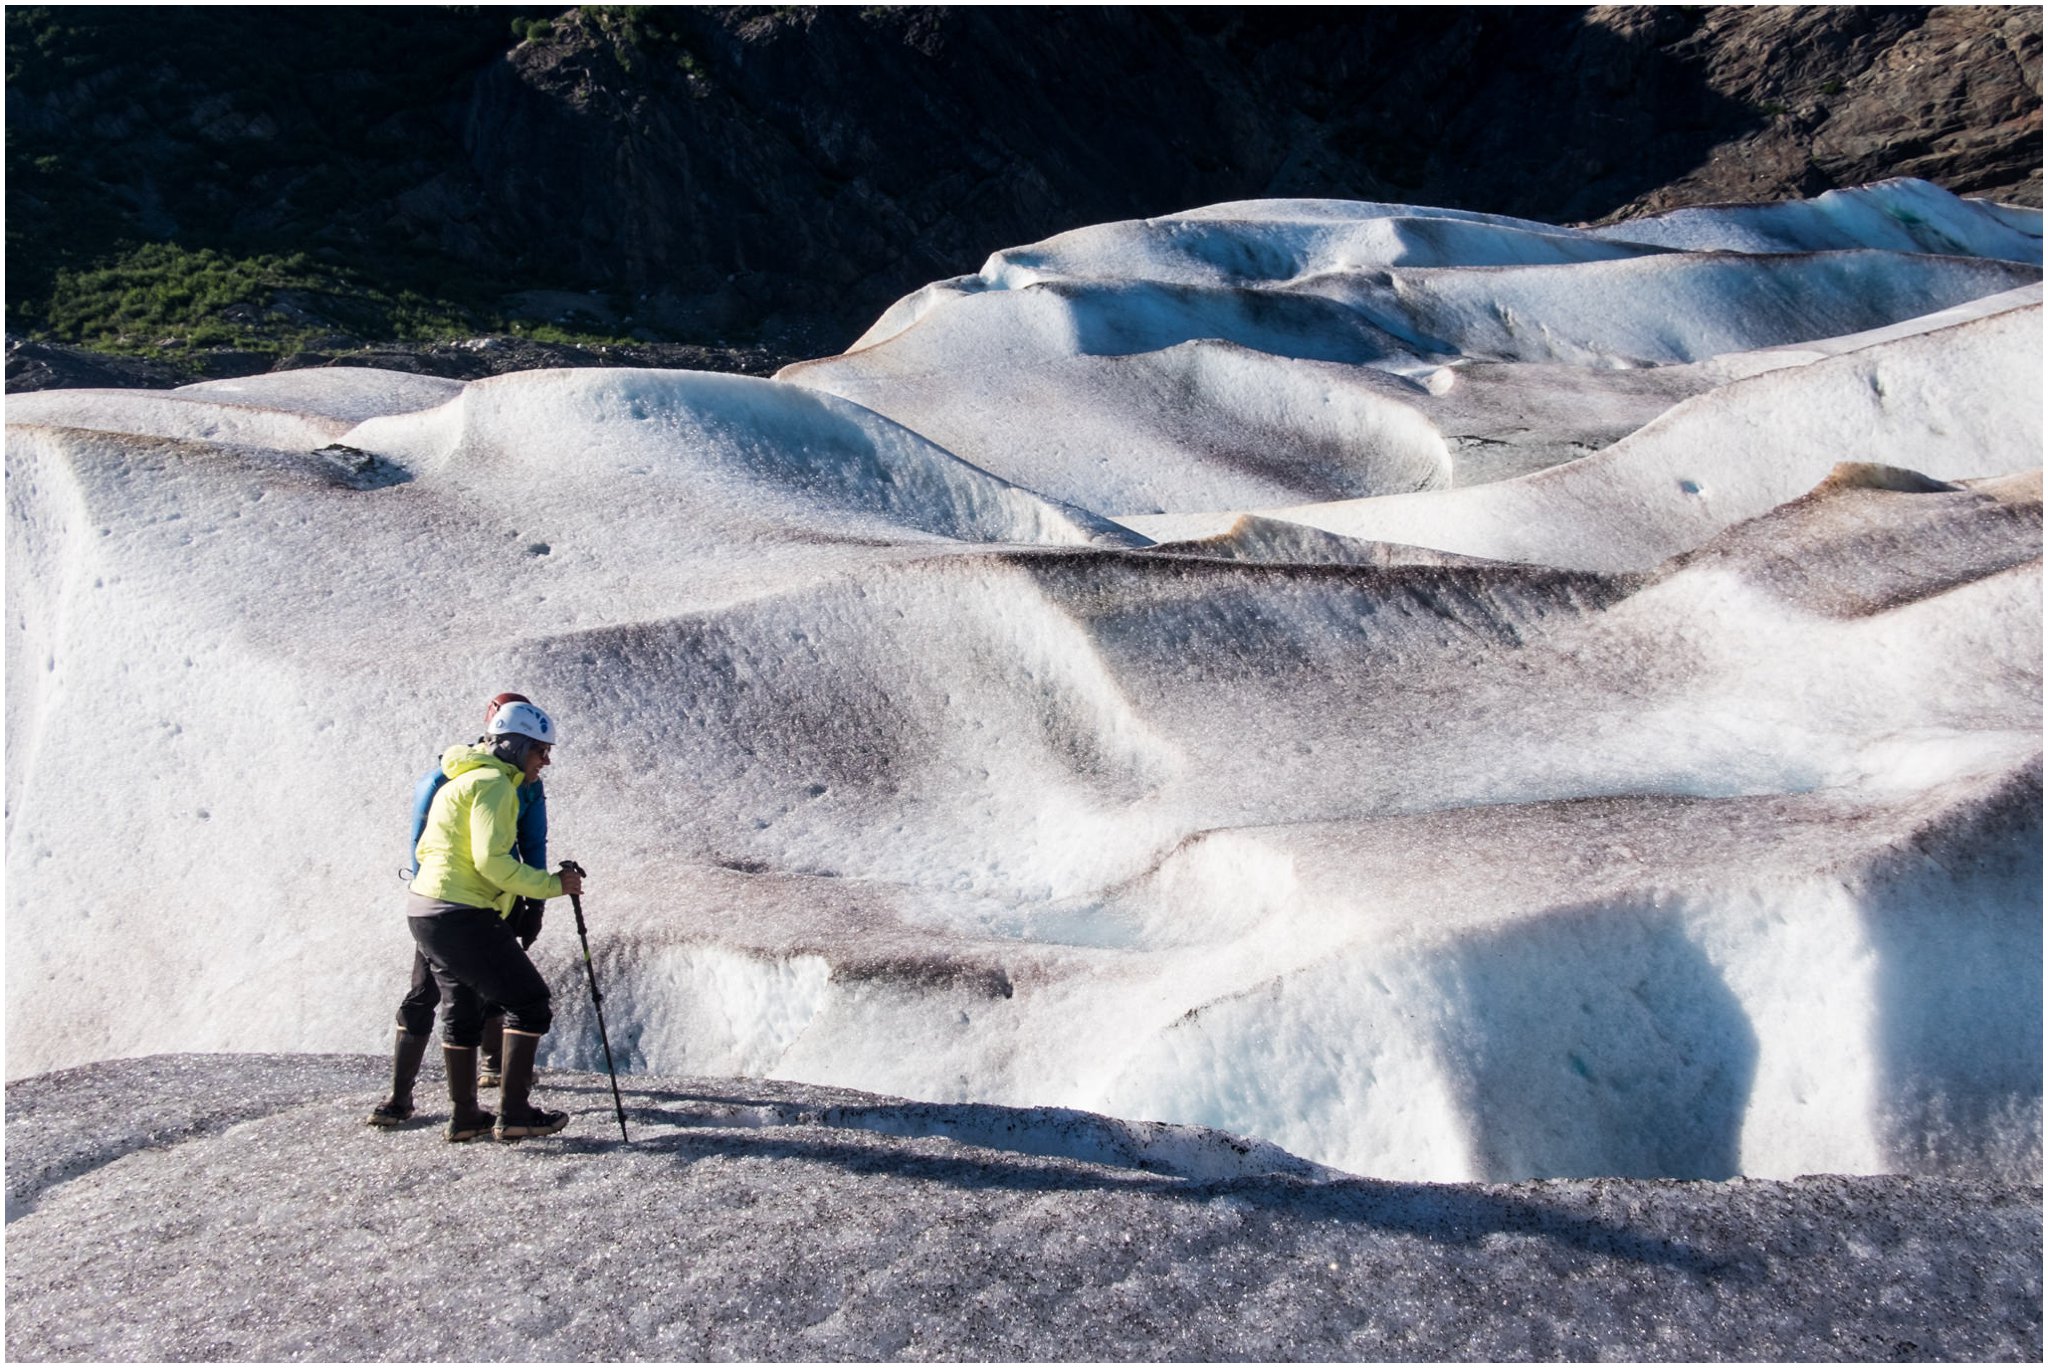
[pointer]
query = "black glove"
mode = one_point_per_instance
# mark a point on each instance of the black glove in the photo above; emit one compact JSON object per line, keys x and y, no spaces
{"x":526,"y":918}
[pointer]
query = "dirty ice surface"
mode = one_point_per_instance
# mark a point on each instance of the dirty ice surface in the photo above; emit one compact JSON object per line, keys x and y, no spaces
{"x":231,"y":1207}
{"x":1454,"y":698}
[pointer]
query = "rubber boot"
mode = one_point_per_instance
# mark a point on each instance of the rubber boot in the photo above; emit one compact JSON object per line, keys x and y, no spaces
{"x":396,"y":1109}
{"x":516,"y":1118}
{"x":489,"y":1070}
{"x":468,"y":1120}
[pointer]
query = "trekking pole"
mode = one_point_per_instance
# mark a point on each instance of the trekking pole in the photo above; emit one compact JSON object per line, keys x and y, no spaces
{"x":597,"y":999}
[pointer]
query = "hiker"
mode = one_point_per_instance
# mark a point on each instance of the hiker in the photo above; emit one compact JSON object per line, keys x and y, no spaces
{"x":416,"y":1009}
{"x":456,"y":907}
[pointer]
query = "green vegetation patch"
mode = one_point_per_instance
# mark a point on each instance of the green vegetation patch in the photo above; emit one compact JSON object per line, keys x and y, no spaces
{"x":162,"y":295}
{"x":172,"y":302}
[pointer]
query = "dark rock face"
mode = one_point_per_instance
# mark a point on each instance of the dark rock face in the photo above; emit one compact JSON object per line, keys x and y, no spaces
{"x":1949,"y":95}
{"x":843,"y":156}
{"x":720,"y":173}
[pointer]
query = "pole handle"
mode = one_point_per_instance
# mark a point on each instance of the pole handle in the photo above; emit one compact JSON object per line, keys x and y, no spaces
{"x":576,"y":900}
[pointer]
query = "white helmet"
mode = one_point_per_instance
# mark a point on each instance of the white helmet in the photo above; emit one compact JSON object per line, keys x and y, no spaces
{"x":523,"y":719}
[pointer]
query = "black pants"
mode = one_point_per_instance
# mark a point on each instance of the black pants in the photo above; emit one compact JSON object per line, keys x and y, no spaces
{"x":476,"y":961}
{"x":416,"y":1008}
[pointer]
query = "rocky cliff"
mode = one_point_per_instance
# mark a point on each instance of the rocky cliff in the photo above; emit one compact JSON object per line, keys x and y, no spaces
{"x":777,"y":176}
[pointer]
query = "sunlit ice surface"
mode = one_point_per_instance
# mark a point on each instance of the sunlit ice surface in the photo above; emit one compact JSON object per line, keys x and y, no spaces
{"x":1448,"y":697}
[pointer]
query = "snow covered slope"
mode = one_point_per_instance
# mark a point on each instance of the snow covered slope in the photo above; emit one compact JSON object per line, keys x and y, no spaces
{"x":1451,"y":697}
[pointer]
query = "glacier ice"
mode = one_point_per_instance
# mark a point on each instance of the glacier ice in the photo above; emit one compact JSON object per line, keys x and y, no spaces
{"x":166,"y":1208}
{"x":1453,"y":698}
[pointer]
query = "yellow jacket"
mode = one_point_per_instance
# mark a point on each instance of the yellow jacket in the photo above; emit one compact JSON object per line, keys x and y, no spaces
{"x":465,"y":851}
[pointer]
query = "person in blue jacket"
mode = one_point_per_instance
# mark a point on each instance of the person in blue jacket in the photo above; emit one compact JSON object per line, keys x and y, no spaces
{"x":416,"y":1010}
